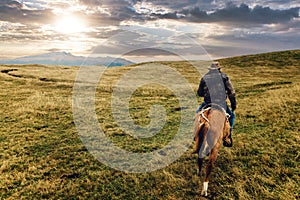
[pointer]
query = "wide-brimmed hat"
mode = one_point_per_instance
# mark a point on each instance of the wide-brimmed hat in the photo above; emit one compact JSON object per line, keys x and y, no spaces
{"x":215,"y":65}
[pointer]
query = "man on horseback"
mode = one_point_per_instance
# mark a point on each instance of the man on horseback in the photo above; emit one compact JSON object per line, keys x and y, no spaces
{"x":215,"y":87}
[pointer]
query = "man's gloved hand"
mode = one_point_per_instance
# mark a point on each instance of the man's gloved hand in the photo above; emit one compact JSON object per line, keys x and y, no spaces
{"x":233,"y":108}
{"x":232,"y":102}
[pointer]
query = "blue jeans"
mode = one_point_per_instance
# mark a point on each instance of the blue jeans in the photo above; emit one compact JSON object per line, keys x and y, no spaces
{"x":228,"y":110}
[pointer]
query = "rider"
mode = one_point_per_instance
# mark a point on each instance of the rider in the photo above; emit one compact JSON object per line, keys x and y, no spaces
{"x":215,"y":86}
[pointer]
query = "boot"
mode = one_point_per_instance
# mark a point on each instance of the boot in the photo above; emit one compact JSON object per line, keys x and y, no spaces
{"x":227,"y":143}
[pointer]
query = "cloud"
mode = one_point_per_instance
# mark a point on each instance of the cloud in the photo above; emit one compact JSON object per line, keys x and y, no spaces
{"x":58,"y":50}
{"x":15,"y":12}
{"x":226,"y":27}
{"x":102,"y":33}
{"x":113,"y":12}
{"x":91,"y":2}
{"x":101,"y":13}
{"x":233,"y":14}
{"x":16,"y":32}
{"x":11,"y":4}
{"x":143,"y":43}
{"x":176,"y":4}
{"x":257,"y":15}
{"x":243,"y":41}
{"x":150,"y":52}
{"x":121,"y":43}
{"x":110,"y":12}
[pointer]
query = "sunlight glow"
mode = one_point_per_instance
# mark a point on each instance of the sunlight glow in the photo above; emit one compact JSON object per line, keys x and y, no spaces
{"x":69,"y":24}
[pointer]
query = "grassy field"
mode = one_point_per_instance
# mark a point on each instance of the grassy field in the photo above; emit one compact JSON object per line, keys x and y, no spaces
{"x":42,"y":156}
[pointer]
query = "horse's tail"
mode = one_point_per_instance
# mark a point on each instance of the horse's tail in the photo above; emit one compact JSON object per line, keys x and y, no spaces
{"x":203,"y":149}
{"x":198,"y":137}
{"x":201,"y":127}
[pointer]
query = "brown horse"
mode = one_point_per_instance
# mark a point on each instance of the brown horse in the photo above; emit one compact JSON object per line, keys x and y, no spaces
{"x":211,"y":129}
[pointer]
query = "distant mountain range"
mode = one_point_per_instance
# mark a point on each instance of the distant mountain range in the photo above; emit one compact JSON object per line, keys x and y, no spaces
{"x":67,"y":59}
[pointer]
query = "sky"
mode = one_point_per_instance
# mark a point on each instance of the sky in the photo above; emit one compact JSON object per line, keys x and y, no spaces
{"x":143,"y":30}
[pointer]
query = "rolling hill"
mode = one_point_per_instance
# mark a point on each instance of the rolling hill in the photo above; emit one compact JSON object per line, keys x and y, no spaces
{"x":42,"y":156}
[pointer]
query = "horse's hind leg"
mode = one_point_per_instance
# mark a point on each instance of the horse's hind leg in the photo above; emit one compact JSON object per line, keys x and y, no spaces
{"x":199,"y":162}
{"x":210,"y":166}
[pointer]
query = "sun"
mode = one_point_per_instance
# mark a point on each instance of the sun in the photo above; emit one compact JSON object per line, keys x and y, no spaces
{"x":69,"y":24}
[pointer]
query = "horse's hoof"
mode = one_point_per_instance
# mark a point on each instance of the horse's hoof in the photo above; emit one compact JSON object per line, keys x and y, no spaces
{"x":204,"y":193}
{"x":204,"y":190}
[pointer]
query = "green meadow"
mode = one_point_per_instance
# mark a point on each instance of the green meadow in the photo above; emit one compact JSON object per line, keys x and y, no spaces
{"x":43,"y":157}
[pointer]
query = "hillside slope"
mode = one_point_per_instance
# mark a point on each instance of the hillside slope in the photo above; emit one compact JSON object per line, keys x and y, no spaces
{"x":42,"y":156}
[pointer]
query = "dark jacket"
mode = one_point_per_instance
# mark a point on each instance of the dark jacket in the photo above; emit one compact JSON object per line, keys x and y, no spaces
{"x":215,"y":86}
